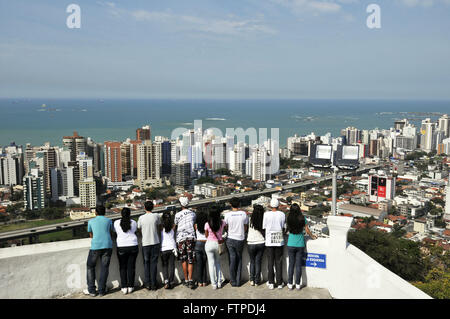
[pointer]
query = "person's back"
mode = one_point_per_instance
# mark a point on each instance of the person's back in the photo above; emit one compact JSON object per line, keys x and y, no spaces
{"x":148,"y":223}
{"x":128,"y":238}
{"x":168,"y":240}
{"x":236,"y":221}
{"x":185,"y":220}
{"x":274,"y":224}
{"x":100,"y":227}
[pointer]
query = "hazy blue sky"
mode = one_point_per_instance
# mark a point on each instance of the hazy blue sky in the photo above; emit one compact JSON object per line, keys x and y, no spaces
{"x":225,"y":49}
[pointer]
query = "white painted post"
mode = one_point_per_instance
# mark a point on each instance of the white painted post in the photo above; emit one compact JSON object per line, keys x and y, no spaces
{"x":339,"y":227}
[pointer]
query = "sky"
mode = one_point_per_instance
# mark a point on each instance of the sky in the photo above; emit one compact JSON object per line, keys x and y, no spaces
{"x":265,"y":49}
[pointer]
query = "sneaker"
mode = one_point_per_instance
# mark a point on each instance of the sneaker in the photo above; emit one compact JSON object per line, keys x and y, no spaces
{"x":290,"y":286}
{"x":124,"y":290}
{"x":130,"y":290}
{"x":191,"y":284}
{"x":280,"y":286}
{"x":298,"y":287}
{"x":271,"y":286}
{"x":219,"y":285}
{"x":252,"y":283}
{"x":214,"y":287}
{"x":186,"y":283}
{"x":87,"y":293}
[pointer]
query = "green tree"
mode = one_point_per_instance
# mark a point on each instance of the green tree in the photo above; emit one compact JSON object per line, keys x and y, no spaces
{"x":401,"y":256}
{"x":205,"y":179}
{"x":436,"y":284}
{"x":223,"y":171}
{"x":50,"y":213}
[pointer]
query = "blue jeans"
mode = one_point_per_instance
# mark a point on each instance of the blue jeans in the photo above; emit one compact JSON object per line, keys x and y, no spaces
{"x":105,"y":258}
{"x":255,"y":253}
{"x":235,"y":248}
{"x":295,"y":260}
{"x":201,"y":262}
{"x":212,"y":252}
{"x":150,"y":255}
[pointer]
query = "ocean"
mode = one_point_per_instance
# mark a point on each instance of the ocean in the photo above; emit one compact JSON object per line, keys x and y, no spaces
{"x":37,"y":121}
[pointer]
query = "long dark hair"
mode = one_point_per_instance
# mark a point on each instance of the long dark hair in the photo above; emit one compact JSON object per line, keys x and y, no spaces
{"x":125,"y":222}
{"x":256,"y":219}
{"x":214,"y":218}
{"x":295,"y":220}
{"x":200,"y":220}
{"x":167,"y":222}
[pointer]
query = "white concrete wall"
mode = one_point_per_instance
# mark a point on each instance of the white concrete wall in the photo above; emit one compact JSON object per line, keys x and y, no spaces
{"x":56,"y":269}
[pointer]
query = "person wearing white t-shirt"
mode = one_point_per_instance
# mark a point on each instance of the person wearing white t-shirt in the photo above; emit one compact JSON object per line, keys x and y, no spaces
{"x":127,"y":250}
{"x":274,"y":223}
{"x":236,"y":222}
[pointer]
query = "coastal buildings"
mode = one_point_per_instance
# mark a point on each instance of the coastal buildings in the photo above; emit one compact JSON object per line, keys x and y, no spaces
{"x":113,"y":161}
{"x":75,"y":144}
{"x":33,"y":190}
{"x":144,"y":133}
{"x":88,"y":196}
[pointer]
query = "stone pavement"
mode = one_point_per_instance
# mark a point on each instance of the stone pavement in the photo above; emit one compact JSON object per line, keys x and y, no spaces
{"x":226,"y":292}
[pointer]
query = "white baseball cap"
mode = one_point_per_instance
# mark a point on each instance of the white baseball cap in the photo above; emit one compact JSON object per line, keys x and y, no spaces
{"x":274,"y":203}
{"x":184,"y":201}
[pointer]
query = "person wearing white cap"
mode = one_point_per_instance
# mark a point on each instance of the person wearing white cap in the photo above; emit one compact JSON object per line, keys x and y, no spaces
{"x":274,"y":223}
{"x":184,"y":226}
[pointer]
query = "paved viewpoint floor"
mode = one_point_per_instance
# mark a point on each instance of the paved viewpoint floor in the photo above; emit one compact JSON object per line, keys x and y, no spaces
{"x":226,"y":292}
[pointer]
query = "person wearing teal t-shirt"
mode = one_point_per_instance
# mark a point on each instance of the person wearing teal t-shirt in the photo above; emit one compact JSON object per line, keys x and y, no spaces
{"x":99,"y":229}
{"x":296,"y":224}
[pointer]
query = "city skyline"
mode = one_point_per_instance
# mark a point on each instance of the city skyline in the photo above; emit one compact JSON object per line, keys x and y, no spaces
{"x":211,"y":49}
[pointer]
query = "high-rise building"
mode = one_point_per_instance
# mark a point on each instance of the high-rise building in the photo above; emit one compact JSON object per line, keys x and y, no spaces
{"x":428,"y":138}
{"x":113,"y":161}
{"x":144,"y":160}
{"x":33,"y":190}
{"x":400,"y":124}
{"x":129,"y":157}
{"x":75,"y":144}
{"x":144,"y":133}
{"x":88,"y":196}
{"x":85,"y":165}
{"x":444,"y":125}
{"x":11,"y":169}
{"x":237,"y":164}
{"x":93,"y":151}
{"x":63,"y":183}
{"x":381,"y":188}
{"x":352,"y":135}
{"x":181,"y":173}
{"x":447,"y":201}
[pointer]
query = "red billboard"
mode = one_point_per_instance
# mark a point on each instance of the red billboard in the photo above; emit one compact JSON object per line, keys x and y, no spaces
{"x":382,"y":191}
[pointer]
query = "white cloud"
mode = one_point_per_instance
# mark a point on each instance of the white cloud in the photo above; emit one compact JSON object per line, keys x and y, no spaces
{"x":422,"y":3}
{"x":230,"y":26}
{"x":314,"y":6}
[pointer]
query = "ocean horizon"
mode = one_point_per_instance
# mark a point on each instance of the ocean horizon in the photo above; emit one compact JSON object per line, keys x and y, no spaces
{"x":39,"y":120}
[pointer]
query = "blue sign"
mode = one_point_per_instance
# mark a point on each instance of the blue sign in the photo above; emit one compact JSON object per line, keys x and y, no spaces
{"x":316,"y":260}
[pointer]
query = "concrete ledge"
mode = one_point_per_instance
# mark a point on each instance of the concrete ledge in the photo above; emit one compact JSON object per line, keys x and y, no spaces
{"x":57,"y":269}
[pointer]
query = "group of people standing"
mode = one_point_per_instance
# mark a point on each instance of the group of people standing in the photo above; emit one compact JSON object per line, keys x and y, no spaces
{"x":197,"y":241}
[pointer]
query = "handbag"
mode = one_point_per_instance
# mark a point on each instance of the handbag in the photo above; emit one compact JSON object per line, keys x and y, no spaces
{"x":221,"y":243}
